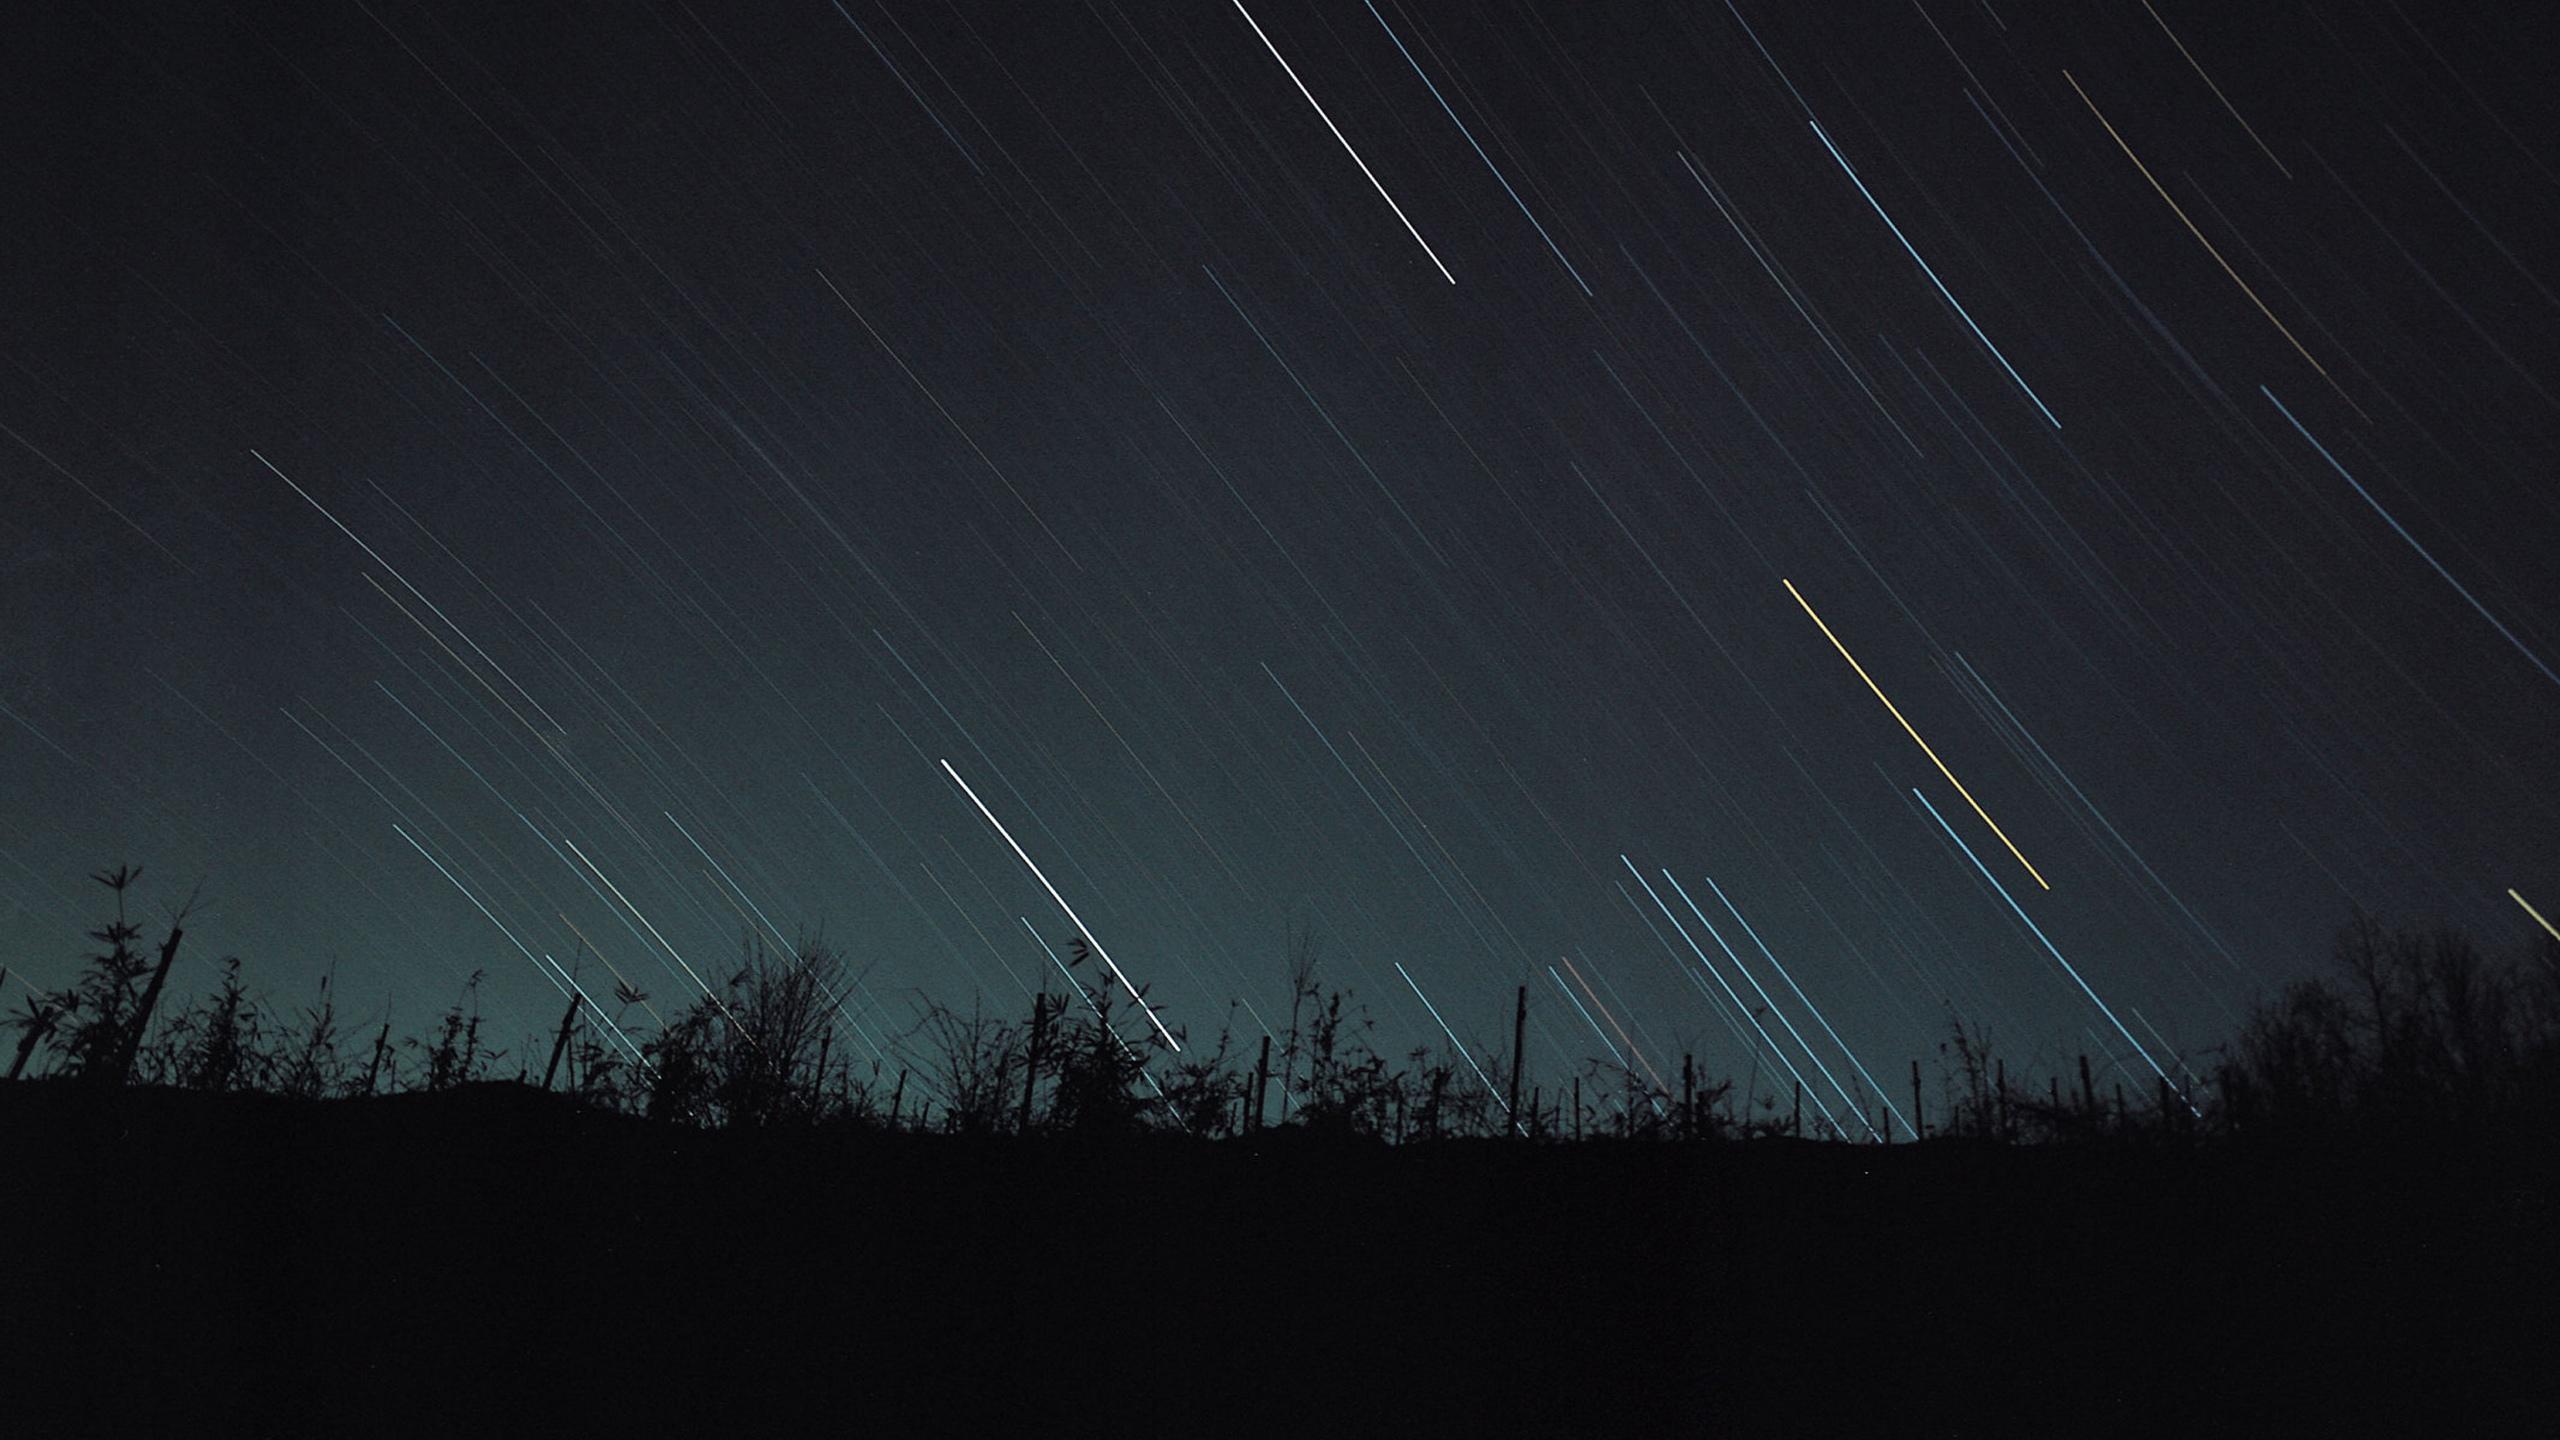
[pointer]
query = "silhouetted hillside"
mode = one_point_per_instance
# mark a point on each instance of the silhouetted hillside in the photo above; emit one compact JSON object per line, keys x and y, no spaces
{"x":414,"y":1263}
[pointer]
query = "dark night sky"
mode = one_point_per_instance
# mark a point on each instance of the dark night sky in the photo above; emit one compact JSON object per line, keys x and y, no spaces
{"x":769,"y":401}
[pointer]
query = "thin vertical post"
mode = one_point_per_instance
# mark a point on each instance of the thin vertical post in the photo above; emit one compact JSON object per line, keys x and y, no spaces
{"x":1519,"y":1033}
{"x":1262,"y":1082}
{"x":1031,"y":1068}
{"x":1919,"y":1117}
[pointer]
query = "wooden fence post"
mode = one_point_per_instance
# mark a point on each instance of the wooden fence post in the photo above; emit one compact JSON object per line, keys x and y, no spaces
{"x":1519,"y":1032}
{"x":1262,"y":1083}
{"x":1031,"y":1069}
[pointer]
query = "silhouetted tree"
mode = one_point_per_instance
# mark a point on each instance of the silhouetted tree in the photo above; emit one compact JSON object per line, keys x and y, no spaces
{"x":2415,"y":1030}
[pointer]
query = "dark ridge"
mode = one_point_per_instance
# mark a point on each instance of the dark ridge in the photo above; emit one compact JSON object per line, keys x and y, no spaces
{"x":489,"y":1255}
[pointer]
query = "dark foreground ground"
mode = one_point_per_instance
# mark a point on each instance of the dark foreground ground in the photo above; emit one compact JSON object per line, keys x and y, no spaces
{"x":493,"y":1262}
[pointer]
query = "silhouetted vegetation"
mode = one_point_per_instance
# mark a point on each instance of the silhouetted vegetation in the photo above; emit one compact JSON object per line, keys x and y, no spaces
{"x":2416,"y":1031}
{"x":782,"y":1148}
{"x":2411,"y":1031}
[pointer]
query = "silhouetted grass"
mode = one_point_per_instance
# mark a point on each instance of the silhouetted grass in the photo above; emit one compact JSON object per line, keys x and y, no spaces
{"x":972,"y":1223}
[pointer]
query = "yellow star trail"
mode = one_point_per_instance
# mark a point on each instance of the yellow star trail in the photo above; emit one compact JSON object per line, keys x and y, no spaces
{"x":2536,"y":914}
{"x":2180,"y":212}
{"x":1914,"y":734}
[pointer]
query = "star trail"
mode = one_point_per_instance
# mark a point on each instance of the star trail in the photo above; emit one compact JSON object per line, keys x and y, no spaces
{"x":566,"y":490}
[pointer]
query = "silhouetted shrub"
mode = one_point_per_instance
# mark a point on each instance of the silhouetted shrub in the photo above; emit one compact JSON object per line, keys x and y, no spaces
{"x":456,"y":1056}
{"x":749,"y":1054}
{"x":223,"y":1043}
{"x":98,"y":1016}
{"x":1103,"y":1084}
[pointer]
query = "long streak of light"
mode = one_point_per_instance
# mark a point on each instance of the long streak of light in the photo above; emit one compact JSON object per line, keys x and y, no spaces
{"x":1453,"y":1038}
{"x":1658,"y":1084}
{"x":953,"y":421}
{"x":1632,"y":1047}
{"x":1096,"y":1007}
{"x":2092,"y":807}
{"x":1933,"y":275}
{"x":912,"y":93}
{"x":619,"y":978}
{"x":1465,"y":916}
{"x":1914,"y":734}
{"x":103,"y":502}
{"x":1614,"y":1052}
{"x":1771,"y":1001}
{"x":2536,"y":914}
{"x":414,"y":590}
{"x":2404,"y":534}
{"x":1815,"y":1010}
{"x":1325,"y":415}
{"x":2194,"y":1081}
{"x":1143,"y":767}
{"x":1788,"y":289}
{"x":465,"y":666}
{"x":1025,"y":857}
{"x":1346,"y":143}
{"x":2199,"y":234}
{"x":2217,"y":91}
{"x":475,"y":903}
{"x":1739,"y":1004}
{"x":1479,"y":149}
{"x":625,"y":900}
{"x":770,"y":928}
{"x":2038,"y":931}
{"x":588,"y":1002}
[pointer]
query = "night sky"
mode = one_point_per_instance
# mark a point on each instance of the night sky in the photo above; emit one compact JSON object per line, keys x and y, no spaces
{"x":519,"y":486}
